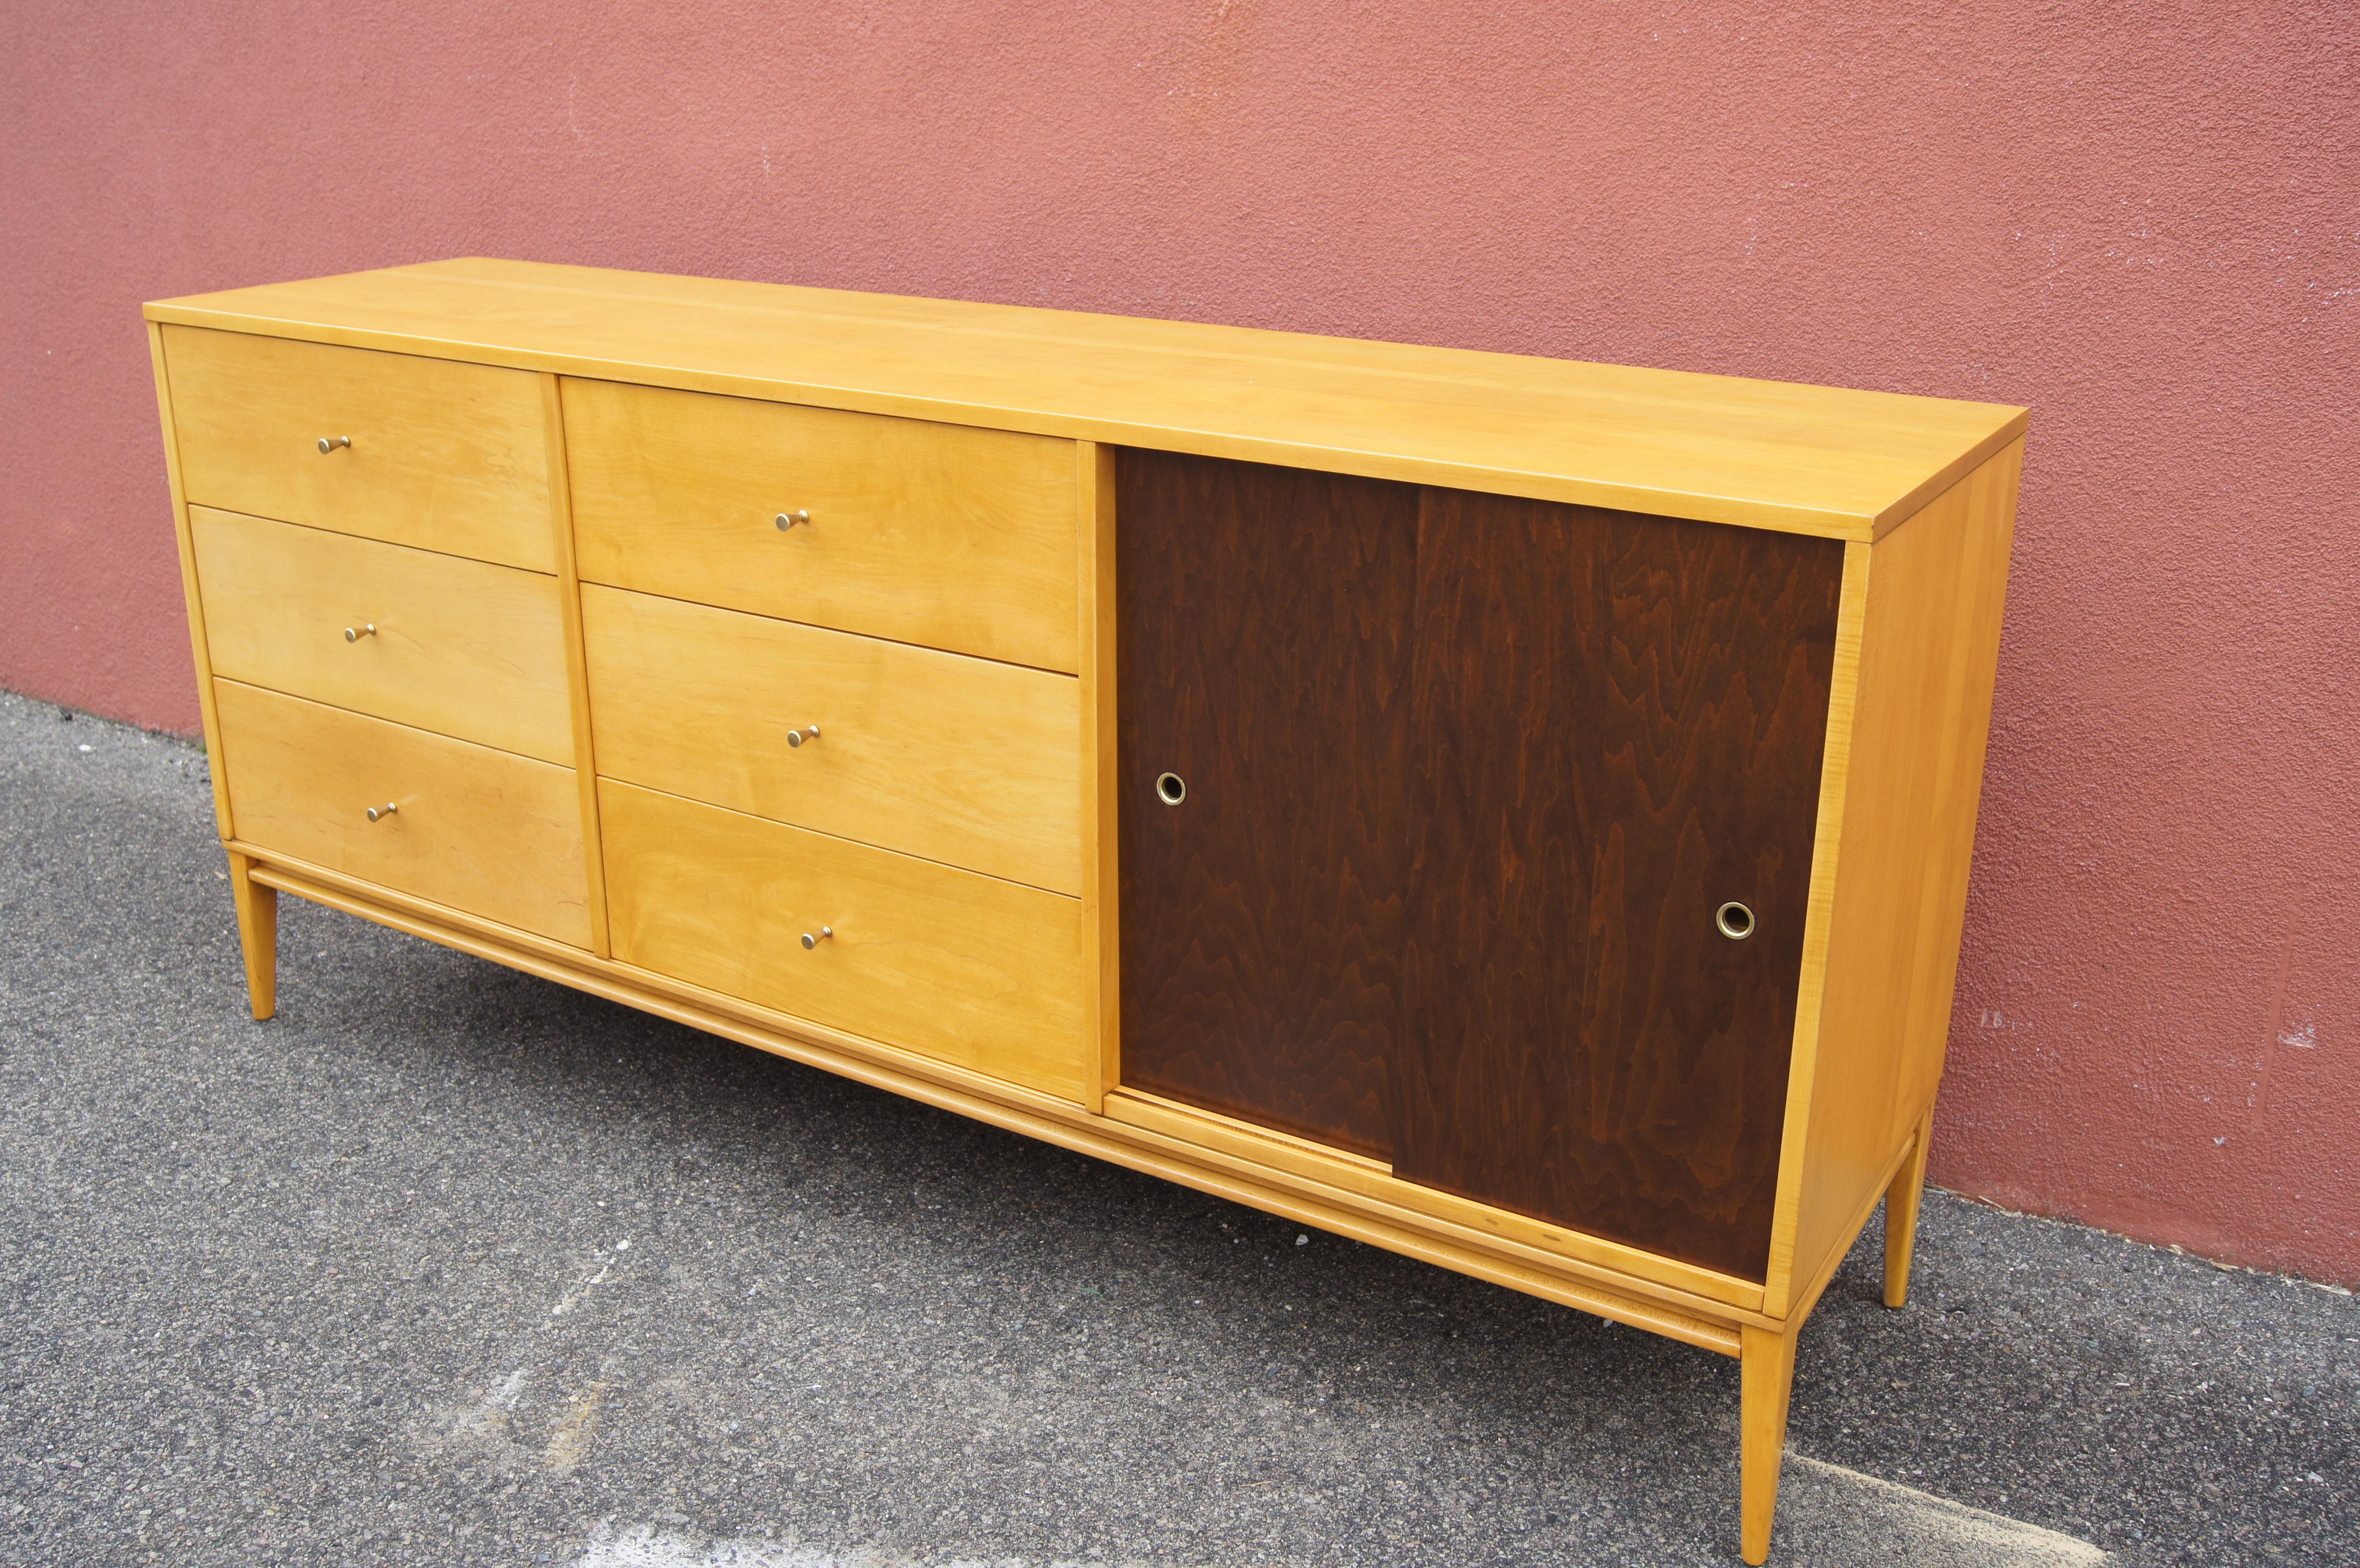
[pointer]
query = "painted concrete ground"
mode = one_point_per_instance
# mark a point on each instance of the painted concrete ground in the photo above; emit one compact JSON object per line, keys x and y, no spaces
{"x":447,"y":1264}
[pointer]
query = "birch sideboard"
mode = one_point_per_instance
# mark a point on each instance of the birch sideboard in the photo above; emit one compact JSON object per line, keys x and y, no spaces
{"x":1512,"y":811}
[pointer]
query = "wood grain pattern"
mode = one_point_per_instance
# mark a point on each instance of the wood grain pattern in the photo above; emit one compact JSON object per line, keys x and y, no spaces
{"x":1932,"y":601}
{"x":952,"y":965}
{"x":1618,"y":724}
{"x":1953,"y":729}
{"x":956,"y":759}
{"x":1812,"y":459}
{"x":191,"y":597}
{"x":939,"y":534}
{"x":1264,"y":620}
{"x":444,"y":456}
{"x":462,"y":648}
{"x":488,"y":832}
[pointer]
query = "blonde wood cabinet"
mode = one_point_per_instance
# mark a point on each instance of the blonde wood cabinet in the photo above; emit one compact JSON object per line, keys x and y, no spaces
{"x":1511,"y":811}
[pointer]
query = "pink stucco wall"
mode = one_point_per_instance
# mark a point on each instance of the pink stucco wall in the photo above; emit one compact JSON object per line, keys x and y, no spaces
{"x":2139,"y":222}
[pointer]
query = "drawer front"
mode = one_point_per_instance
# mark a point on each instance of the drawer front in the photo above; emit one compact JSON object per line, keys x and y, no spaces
{"x":961,"y":967}
{"x":931,"y":533}
{"x":482,"y":830}
{"x":444,"y":456}
{"x":460,"y":647}
{"x":932,"y":754}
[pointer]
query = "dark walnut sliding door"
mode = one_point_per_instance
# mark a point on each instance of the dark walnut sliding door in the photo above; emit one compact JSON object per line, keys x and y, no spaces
{"x":1263,"y":660}
{"x":1465,"y":781}
{"x":1619,"y":723}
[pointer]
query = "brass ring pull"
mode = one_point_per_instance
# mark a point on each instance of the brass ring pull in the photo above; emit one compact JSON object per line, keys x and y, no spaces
{"x":376,"y":812}
{"x":1171,"y":788}
{"x":796,"y":737}
{"x":355,"y":634}
{"x":811,"y":941}
{"x":1734,"y":920}
{"x":330,"y":444}
{"x":789,"y":519}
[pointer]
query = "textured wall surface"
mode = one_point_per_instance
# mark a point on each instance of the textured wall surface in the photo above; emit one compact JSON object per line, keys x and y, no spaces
{"x":2141,"y":224}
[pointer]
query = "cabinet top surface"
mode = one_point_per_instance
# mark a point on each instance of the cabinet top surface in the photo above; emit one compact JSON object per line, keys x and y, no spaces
{"x":1816,"y":460}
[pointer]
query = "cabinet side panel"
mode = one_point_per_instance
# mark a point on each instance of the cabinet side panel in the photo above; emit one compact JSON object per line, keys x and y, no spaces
{"x":1929,"y":652}
{"x":1979,"y":591}
{"x":1264,"y":627}
{"x":1618,"y":724}
{"x":188,"y":590}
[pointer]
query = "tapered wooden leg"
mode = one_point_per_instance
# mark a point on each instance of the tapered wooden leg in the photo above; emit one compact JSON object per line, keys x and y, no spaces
{"x":257,"y":933}
{"x":1766,"y":1366}
{"x":1901,"y":1216}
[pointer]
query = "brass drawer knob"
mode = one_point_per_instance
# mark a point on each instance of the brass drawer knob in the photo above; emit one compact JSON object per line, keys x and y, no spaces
{"x":796,"y":737}
{"x":812,"y":940}
{"x":376,"y":812}
{"x":330,"y":444}
{"x":355,"y":634}
{"x":789,"y":519}
{"x":1735,"y":920}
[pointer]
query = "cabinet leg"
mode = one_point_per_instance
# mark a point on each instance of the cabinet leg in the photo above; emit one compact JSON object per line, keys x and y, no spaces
{"x":257,"y":933}
{"x":1901,"y":1216}
{"x":1766,"y":1366}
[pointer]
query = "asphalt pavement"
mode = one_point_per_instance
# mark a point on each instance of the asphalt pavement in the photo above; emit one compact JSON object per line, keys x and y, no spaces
{"x":450,"y":1265}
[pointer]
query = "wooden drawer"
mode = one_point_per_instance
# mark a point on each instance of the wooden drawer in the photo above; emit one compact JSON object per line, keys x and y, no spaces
{"x":961,"y":967}
{"x":460,"y":647}
{"x":938,"y":535}
{"x":932,"y":754}
{"x":482,"y":830}
{"x":445,"y":456}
